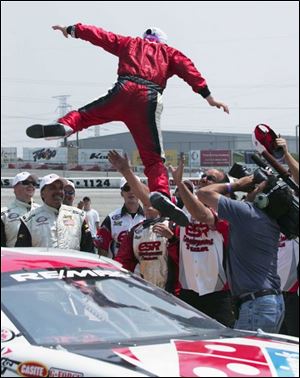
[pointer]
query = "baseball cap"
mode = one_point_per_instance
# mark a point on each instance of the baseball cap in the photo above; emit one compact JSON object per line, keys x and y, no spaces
{"x":49,"y":179}
{"x":23,"y":176}
{"x":155,"y":34}
{"x":263,"y":138}
{"x":123,"y":181}
{"x":70,"y":183}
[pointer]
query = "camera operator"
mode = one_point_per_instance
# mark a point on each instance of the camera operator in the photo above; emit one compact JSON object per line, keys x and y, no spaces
{"x":253,"y":247}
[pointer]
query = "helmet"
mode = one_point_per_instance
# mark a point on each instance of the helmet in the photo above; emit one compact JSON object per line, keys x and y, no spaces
{"x":155,"y":34}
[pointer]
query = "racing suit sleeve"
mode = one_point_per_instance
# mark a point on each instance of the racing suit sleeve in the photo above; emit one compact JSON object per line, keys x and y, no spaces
{"x":86,"y":242}
{"x":184,"y":68}
{"x":24,"y":237}
{"x":109,"y":41}
{"x":3,"y":236}
{"x":125,"y":254}
{"x":104,"y":237}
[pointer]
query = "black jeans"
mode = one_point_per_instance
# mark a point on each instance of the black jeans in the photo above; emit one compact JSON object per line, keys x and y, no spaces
{"x":290,"y":324}
{"x":217,"y":305}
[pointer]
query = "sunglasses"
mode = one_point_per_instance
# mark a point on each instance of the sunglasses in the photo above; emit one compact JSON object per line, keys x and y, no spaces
{"x":28,"y":182}
{"x":126,"y":188}
{"x":69,"y":192}
{"x":209,"y":178}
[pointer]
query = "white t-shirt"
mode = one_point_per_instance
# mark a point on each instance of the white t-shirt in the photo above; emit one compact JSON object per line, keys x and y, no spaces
{"x":92,"y":217}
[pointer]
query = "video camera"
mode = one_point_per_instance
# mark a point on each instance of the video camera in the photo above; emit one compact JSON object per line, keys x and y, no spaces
{"x":289,"y":221}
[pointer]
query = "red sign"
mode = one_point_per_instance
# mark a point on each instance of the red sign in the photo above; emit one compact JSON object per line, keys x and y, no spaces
{"x":215,"y":158}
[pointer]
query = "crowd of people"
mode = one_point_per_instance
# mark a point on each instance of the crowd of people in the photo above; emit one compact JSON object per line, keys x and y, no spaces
{"x":230,"y":262}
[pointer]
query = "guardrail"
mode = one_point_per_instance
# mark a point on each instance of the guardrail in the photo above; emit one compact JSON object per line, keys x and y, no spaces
{"x":95,"y":182}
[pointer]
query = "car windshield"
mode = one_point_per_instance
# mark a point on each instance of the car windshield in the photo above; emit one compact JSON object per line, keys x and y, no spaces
{"x":82,"y":308}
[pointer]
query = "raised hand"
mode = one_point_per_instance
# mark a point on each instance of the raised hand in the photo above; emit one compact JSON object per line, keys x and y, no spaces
{"x":63,"y":29}
{"x":177,"y":173}
{"x":121,"y":163}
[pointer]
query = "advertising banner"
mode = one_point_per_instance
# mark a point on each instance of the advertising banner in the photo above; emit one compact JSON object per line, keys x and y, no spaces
{"x":194,"y":158}
{"x":171,"y":158}
{"x":8,"y":154}
{"x":46,"y":155}
{"x":94,"y":156}
{"x":215,"y":158}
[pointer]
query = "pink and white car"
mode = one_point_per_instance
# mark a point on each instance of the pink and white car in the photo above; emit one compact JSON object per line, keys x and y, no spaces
{"x":74,"y":314}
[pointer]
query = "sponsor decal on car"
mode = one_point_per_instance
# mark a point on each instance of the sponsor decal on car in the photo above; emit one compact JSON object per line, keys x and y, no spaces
{"x":5,"y":350}
{"x":8,"y":364}
{"x":285,"y":362}
{"x":7,"y":335}
{"x":32,"y":369}
{"x":211,"y":358}
{"x":64,"y":273}
{"x":56,"y":372}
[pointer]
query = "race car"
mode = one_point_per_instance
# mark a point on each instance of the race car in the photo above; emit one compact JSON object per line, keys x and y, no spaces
{"x":74,"y":314}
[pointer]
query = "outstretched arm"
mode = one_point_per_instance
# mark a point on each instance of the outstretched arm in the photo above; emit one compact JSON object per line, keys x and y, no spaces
{"x":183,"y":67}
{"x":194,"y":206}
{"x":122,"y":164}
{"x":292,"y":163}
{"x":111,"y":42}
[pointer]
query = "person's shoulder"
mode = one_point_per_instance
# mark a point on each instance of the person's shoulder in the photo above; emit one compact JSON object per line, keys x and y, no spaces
{"x":32,"y":214}
{"x":116,"y":213}
{"x":72,"y":210}
{"x":35,"y":205}
{"x":4,"y":210}
{"x":11,"y":206}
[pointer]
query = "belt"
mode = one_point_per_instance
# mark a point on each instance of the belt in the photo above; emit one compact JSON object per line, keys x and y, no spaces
{"x":257,"y":294}
{"x":140,"y":80}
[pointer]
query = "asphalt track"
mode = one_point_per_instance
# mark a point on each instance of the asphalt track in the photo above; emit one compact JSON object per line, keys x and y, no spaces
{"x":103,"y":200}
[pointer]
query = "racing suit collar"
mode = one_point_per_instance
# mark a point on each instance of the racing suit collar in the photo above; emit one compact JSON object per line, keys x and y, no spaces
{"x":125,"y":211}
{"x":52,"y":209}
{"x":23,"y":204}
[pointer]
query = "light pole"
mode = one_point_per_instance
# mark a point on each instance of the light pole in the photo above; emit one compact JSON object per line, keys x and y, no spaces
{"x":63,"y":109}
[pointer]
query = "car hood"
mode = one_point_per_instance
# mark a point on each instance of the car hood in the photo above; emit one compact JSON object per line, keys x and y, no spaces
{"x":235,"y":354}
{"x":239,"y":356}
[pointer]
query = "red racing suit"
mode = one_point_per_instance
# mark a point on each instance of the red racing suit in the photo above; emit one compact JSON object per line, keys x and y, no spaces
{"x":136,"y":98}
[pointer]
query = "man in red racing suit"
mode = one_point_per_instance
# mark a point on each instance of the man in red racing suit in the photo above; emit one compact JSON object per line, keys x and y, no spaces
{"x":145,"y":65}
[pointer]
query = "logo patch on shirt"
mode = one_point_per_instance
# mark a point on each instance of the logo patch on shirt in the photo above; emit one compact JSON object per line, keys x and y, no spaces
{"x":13,"y":216}
{"x":41,"y":219}
{"x":68,"y":221}
{"x":116,"y":217}
{"x":118,"y":223}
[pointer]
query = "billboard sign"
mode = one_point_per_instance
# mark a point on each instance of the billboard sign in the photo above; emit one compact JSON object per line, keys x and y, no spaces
{"x":94,"y":156}
{"x":8,"y":154}
{"x":195,"y":158}
{"x":215,"y":158}
{"x":46,"y":155}
{"x":170,"y":155}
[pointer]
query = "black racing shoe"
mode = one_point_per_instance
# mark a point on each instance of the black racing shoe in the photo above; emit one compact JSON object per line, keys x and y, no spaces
{"x":46,"y":131}
{"x":167,"y":209}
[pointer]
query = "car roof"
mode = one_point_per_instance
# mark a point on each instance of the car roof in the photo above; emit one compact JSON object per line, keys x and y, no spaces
{"x":14,"y":259}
